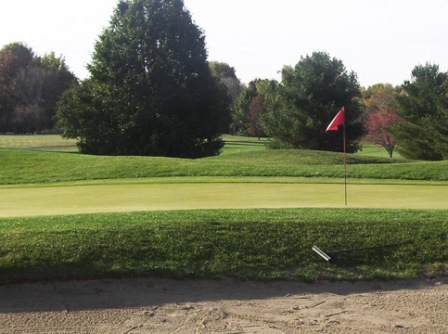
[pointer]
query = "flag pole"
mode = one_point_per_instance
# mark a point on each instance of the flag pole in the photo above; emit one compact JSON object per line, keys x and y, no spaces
{"x":345,"y":164}
{"x":335,"y":124}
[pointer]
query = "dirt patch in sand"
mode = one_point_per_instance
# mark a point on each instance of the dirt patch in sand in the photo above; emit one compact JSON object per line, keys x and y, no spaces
{"x":148,"y":305}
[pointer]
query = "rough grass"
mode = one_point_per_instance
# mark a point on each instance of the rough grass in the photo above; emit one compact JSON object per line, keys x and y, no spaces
{"x":245,"y":244}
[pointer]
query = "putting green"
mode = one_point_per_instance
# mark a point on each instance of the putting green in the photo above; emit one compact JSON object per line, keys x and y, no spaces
{"x":57,"y":200}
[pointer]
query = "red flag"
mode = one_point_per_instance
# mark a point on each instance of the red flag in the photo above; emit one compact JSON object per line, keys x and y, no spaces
{"x":338,"y":120}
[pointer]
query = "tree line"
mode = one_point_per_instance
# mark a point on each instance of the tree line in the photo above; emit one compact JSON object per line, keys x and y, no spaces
{"x":152,"y":91}
{"x":294,"y":113}
{"x":30,"y":87}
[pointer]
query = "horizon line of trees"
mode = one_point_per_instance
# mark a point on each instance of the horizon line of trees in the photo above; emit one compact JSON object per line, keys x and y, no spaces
{"x":152,"y":91}
{"x":411,"y":118}
{"x":30,"y":87}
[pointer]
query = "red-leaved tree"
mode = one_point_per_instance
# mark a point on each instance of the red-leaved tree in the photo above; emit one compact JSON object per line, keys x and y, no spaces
{"x":378,"y":128}
{"x":256,"y":109}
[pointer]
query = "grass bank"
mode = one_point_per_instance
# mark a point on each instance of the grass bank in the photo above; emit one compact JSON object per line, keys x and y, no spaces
{"x":50,"y":167}
{"x":245,"y":244}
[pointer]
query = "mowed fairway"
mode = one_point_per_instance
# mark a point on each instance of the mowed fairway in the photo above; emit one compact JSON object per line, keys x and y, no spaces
{"x":96,"y":198}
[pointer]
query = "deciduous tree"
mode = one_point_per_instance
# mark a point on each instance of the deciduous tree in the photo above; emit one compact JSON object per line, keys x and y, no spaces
{"x":13,"y":58}
{"x":227,"y":76}
{"x":379,"y":115}
{"x":243,"y":118}
{"x":256,"y":110}
{"x":378,"y":97}
{"x":240,"y":111}
{"x":379,"y":128}
{"x":30,"y":88}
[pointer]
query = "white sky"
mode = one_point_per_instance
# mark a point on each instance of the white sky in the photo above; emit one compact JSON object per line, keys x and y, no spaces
{"x":380,"y":40}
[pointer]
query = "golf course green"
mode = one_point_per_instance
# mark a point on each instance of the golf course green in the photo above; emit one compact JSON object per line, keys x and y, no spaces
{"x":97,"y":198}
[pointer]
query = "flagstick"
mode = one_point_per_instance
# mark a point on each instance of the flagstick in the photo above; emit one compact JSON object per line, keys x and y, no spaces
{"x":345,"y":164}
{"x":335,"y":124}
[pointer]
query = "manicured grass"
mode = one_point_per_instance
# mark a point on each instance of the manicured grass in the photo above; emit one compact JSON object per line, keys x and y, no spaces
{"x":20,"y":167}
{"x":233,"y":144}
{"x":104,"y":197}
{"x":240,"y":144}
{"x":38,"y":143}
{"x":377,"y":151}
{"x":245,"y":244}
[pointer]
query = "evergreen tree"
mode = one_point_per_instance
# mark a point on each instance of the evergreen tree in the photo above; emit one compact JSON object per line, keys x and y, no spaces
{"x":423,"y":105}
{"x":312,"y":93}
{"x":151,"y":91}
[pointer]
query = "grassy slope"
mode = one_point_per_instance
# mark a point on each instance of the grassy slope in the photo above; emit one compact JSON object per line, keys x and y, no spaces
{"x":242,"y":156}
{"x":249,"y":244}
{"x":253,"y":244}
{"x":19,"y":167}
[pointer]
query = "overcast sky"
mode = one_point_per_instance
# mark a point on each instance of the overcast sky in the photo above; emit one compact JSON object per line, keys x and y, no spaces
{"x":380,"y":40}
